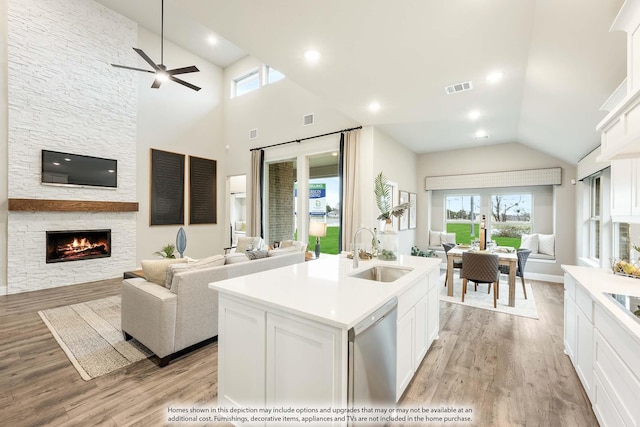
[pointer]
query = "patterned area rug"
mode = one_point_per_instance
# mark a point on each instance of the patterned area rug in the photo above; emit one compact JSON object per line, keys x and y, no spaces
{"x":89,"y":333}
{"x":484,"y":300}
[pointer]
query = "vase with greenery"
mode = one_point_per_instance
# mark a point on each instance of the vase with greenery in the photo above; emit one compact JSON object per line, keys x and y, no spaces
{"x":382,"y":192}
{"x":167,"y":251}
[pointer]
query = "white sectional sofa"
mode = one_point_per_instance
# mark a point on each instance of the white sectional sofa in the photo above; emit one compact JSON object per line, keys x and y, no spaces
{"x":169,"y":320}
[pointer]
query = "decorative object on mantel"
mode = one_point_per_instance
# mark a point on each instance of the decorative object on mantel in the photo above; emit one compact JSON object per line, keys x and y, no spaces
{"x":168,"y":251}
{"x":160,"y":70}
{"x":181,"y":242}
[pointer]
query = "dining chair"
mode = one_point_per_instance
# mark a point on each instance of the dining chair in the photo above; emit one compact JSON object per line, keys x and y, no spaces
{"x":456,"y":264}
{"x":480,"y":268}
{"x":523,"y":255}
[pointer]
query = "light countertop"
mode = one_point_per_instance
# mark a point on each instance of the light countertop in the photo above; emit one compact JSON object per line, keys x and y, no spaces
{"x":323,"y":291}
{"x":599,"y":281}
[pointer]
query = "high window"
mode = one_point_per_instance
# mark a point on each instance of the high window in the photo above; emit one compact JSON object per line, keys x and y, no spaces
{"x":271,"y":75}
{"x":510,"y":218}
{"x":245,"y":83}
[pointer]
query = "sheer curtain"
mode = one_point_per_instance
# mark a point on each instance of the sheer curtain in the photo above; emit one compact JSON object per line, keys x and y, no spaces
{"x":350,"y":150}
{"x":254,"y":228}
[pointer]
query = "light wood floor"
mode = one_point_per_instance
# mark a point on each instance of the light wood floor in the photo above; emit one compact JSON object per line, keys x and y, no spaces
{"x":510,"y":370}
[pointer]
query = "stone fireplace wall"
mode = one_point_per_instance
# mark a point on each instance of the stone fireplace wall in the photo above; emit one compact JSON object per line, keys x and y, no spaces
{"x":63,"y":95}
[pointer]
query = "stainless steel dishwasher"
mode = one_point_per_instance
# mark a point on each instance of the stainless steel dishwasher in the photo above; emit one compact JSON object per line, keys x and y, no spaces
{"x":372,"y":359}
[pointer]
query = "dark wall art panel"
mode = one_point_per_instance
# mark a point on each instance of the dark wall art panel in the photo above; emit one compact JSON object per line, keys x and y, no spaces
{"x":167,"y":188}
{"x":202,"y":191}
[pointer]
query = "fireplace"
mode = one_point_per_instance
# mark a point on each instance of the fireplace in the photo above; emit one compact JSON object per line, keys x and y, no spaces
{"x":78,"y":245}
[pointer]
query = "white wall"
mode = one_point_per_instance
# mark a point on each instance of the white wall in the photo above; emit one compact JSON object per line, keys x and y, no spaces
{"x":177,"y":119}
{"x":504,"y":157}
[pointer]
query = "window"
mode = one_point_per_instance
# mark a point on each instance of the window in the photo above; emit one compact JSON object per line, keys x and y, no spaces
{"x":463,"y":217}
{"x":271,"y":75}
{"x":246,"y":83}
{"x":594,"y":218}
{"x":510,"y":218}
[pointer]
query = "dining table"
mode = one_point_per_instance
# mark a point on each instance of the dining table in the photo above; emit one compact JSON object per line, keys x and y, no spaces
{"x":506,"y":256}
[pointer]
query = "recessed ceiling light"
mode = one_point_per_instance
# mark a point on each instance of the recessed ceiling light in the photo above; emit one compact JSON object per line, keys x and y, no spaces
{"x":56,"y":163}
{"x":213,"y":40}
{"x":312,"y":56}
{"x":374,"y":106}
{"x":481,"y":134}
{"x":495,"y":76}
{"x":474,"y":115}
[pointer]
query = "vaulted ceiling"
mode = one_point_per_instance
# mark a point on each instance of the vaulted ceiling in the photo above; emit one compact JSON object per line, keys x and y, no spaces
{"x":559,"y":60}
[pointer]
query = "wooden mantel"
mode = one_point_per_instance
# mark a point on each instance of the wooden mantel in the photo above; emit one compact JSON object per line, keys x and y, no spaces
{"x":43,"y":205}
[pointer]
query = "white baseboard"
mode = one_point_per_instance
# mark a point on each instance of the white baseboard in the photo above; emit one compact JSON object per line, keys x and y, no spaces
{"x":544,"y":277}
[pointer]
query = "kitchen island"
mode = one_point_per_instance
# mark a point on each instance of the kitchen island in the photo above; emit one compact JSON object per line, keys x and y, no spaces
{"x":602,"y":340}
{"x":284,"y":333}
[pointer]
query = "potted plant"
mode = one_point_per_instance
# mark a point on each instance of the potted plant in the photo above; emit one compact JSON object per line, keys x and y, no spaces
{"x":382,"y":191}
{"x":167,"y":251}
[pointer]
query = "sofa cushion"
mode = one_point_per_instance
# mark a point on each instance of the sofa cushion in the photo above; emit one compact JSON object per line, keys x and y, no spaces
{"x":281,"y":251}
{"x":235,"y":258}
{"x":256,"y":254}
{"x":547,"y":244}
{"x":248,"y":244}
{"x":155,"y":270}
{"x":529,"y":241}
{"x":212,"y":261}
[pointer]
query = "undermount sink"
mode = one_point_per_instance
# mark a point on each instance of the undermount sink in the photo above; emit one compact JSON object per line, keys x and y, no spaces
{"x":382,"y":273}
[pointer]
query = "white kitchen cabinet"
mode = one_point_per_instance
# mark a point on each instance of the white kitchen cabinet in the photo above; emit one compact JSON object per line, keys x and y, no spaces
{"x":625,"y":189}
{"x":244,"y":358}
{"x":404,"y":351}
{"x":420,"y":343}
{"x":296,"y":349}
{"x":433,"y":308}
{"x":570,"y":327}
{"x":584,"y":339}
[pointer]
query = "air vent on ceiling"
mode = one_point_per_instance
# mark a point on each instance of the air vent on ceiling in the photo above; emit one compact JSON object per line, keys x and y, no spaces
{"x":307,"y":119}
{"x":253,"y":133}
{"x":458,"y":87}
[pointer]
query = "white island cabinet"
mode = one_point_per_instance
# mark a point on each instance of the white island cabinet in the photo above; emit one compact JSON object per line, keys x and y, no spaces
{"x":283,"y":333}
{"x":602,"y":339}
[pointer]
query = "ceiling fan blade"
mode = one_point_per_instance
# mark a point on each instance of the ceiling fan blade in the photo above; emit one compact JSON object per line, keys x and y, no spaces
{"x":146,"y":58}
{"x":156,"y":83}
{"x":183,"y":70}
{"x":183,"y":83}
{"x":132,"y":68}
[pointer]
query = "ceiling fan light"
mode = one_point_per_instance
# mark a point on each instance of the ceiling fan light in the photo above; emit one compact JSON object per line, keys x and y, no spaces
{"x":162,"y":76}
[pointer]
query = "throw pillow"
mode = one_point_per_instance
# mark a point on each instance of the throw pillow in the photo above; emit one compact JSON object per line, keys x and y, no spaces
{"x":434,"y":238}
{"x":214,"y":260}
{"x":529,"y":241}
{"x":286,"y":243}
{"x":256,"y":254}
{"x":448,"y":238}
{"x":547,"y":244}
{"x":235,"y":258}
{"x":155,"y":270}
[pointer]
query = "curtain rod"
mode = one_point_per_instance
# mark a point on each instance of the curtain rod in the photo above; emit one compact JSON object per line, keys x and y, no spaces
{"x":304,"y":139}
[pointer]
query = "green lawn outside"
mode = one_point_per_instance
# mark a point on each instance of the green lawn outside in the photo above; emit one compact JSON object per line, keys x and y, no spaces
{"x":328,"y":243}
{"x":463,"y":235}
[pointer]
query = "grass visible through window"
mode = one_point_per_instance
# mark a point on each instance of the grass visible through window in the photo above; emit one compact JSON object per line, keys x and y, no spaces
{"x":463,"y":235}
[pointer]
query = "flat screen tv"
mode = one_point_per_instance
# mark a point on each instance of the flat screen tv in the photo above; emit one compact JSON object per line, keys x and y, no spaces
{"x":73,"y":169}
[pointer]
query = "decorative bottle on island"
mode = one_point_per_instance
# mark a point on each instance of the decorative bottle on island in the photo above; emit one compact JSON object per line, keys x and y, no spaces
{"x":483,"y":235}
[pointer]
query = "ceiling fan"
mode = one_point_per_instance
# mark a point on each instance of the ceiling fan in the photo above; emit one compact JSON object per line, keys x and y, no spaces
{"x":160,"y":70}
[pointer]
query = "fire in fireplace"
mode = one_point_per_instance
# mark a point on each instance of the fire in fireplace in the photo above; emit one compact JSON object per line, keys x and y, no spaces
{"x":78,"y":244}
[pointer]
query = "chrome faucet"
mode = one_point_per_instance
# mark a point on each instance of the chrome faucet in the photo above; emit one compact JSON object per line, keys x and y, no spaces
{"x":356,"y":255}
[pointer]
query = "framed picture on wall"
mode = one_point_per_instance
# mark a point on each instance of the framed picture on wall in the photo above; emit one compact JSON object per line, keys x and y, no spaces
{"x":167,"y":188}
{"x":413,"y":200}
{"x":404,"y":219}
